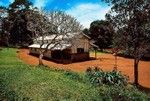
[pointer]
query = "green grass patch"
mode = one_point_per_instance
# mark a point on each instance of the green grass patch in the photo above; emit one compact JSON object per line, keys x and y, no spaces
{"x":22,"y":82}
{"x":19,"y":81}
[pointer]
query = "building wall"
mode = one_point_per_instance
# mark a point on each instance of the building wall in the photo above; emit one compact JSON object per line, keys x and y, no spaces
{"x":80,"y":57}
{"x":82,"y":42}
{"x":74,"y":57}
{"x":48,"y":54}
{"x":36,"y":51}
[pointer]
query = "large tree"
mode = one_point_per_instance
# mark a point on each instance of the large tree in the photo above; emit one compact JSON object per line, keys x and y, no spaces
{"x":101,"y":32}
{"x":19,"y":35}
{"x":56,"y":24}
{"x":2,"y":16}
{"x":4,"y":33}
{"x":131,"y":20}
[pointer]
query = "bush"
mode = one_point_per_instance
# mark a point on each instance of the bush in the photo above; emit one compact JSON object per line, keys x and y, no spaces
{"x":118,"y":93}
{"x":98,"y":77}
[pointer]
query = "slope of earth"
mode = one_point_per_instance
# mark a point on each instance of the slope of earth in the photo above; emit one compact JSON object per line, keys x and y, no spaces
{"x":22,"y":82}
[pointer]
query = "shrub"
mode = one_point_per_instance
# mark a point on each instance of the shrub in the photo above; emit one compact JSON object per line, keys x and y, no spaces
{"x":118,"y":93}
{"x":98,"y":77}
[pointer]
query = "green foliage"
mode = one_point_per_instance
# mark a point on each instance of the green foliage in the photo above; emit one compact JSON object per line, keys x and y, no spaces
{"x":130,"y":20}
{"x":16,"y":4}
{"x":101,"y":32}
{"x":14,"y":25}
{"x":99,"y":77}
{"x":86,"y":31}
{"x":122,"y":93}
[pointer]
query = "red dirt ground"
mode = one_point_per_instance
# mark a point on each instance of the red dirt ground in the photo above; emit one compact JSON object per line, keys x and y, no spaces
{"x":104,"y":61}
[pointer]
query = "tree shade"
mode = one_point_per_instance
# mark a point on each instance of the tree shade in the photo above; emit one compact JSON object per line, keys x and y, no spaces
{"x":131,"y":21}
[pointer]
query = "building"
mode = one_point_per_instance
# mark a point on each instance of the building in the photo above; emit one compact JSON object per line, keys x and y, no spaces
{"x":72,"y":47}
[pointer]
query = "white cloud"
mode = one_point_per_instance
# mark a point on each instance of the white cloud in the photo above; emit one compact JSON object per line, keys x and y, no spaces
{"x":87,"y":13}
{"x":11,"y":1}
{"x":41,"y":3}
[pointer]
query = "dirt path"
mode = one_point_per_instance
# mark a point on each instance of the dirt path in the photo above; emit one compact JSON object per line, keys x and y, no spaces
{"x":104,"y":61}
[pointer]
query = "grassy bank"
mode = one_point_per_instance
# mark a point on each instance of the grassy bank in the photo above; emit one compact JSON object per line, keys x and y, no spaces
{"x":22,"y":82}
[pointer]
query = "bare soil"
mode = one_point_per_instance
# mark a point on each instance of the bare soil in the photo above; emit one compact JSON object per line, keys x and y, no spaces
{"x":104,"y":61}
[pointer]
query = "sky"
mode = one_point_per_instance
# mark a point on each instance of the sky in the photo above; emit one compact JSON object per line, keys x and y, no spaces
{"x":85,"y":11}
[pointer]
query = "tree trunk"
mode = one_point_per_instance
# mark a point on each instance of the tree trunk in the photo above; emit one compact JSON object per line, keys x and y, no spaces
{"x":95,"y":54}
{"x":136,"y":76}
{"x":40,"y":59}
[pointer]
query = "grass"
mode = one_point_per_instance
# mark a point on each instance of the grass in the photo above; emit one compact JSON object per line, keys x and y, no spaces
{"x":22,"y":82}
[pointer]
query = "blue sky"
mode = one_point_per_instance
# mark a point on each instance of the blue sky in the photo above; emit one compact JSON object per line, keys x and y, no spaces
{"x":85,"y":11}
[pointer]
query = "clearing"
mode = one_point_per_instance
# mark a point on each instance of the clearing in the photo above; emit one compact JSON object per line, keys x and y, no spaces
{"x":104,"y":61}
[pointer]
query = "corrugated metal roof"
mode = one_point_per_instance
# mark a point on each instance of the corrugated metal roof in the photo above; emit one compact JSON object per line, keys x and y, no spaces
{"x":63,"y":43}
{"x":60,"y":37}
{"x":57,"y":37}
{"x":51,"y":46}
{"x":92,"y":44}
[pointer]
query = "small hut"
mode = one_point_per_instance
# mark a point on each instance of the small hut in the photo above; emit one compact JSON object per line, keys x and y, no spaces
{"x":76,"y":49}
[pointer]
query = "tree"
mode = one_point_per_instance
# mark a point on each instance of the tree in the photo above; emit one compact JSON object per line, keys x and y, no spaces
{"x":131,"y":20}
{"x":86,"y":31}
{"x":101,"y":32}
{"x":19,"y":35}
{"x":55,"y":23}
{"x":4,"y":27}
{"x":2,"y":13}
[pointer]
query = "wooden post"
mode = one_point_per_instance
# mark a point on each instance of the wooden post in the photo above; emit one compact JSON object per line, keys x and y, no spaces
{"x":61,"y":56}
{"x":71,"y":57}
{"x":95,"y":53}
{"x":115,"y":65}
